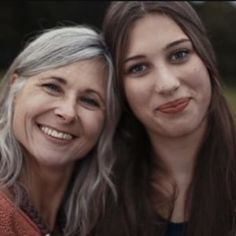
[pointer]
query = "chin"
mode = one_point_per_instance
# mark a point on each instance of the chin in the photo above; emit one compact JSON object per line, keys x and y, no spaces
{"x":179,"y":133}
{"x":184,"y":130}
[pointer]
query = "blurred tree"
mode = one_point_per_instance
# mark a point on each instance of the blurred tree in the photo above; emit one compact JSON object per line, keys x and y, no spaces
{"x":21,"y":20}
{"x":13,"y":25}
{"x":219,"y":19}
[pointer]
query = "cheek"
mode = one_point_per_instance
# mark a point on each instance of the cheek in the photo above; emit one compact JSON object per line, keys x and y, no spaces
{"x":17,"y":108}
{"x":202,"y":82}
{"x":25,"y":111}
{"x":93,"y":124}
{"x":18,"y":121}
{"x":136,"y":93}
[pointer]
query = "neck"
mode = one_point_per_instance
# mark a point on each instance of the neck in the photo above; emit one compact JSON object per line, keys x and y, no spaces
{"x":178,"y":154}
{"x":44,"y":184}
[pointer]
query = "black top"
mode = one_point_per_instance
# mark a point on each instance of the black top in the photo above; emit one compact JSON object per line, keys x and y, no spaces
{"x":175,"y":229}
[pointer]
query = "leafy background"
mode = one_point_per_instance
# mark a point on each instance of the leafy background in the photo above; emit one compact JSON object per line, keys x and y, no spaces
{"x":22,"y":20}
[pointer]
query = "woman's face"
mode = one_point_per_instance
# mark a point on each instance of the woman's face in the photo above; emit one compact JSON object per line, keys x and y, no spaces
{"x":166,"y":83}
{"x":60,"y":113}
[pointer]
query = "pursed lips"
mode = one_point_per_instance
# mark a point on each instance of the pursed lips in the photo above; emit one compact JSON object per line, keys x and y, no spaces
{"x":175,"y":106}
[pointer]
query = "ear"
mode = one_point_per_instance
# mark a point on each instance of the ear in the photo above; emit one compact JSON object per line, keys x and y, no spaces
{"x":14,"y":77}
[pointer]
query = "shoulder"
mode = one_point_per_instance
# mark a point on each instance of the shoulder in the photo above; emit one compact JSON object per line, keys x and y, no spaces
{"x":14,"y":222}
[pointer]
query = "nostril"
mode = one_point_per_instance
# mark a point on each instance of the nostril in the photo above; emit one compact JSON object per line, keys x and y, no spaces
{"x":167,"y":88}
{"x":65,"y":115}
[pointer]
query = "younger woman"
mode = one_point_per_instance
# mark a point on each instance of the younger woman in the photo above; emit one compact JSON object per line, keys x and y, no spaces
{"x":177,"y":142}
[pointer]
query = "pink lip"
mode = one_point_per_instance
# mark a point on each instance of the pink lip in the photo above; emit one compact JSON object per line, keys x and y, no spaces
{"x":174,"y":106}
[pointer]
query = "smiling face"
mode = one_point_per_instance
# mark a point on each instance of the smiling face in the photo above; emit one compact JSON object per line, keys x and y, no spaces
{"x":60,"y":113}
{"x":166,"y":83}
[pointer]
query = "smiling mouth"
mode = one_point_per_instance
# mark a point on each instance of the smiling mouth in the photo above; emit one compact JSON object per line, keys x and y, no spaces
{"x":55,"y":133}
{"x":174,"y":106}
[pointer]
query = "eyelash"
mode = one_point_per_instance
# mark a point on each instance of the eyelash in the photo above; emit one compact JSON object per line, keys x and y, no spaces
{"x":52,"y":87}
{"x":90,"y":102}
{"x":176,"y":58}
{"x":135,"y":69}
{"x":179,"y":56}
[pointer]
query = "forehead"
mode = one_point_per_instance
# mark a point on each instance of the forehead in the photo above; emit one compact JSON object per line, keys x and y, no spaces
{"x":88,"y":65}
{"x":84,"y":74}
{"x":156,"y":20}
{"x":154,"y":28}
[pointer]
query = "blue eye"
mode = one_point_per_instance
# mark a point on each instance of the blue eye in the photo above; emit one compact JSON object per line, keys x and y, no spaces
{"x":179,"y":56}
{"x":51,"y":87}
{"x":91,"y":102}
{"x":138,"y":69}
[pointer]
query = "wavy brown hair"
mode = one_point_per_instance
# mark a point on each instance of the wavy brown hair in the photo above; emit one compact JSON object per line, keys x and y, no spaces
{"x":210,"y":201}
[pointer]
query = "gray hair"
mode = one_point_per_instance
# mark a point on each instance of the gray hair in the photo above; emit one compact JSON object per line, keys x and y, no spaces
{"x":52,"y":49}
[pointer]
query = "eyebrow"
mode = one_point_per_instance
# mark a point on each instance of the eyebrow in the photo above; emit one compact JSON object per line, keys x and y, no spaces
{"x":170,"y":45}
{"x":53,"y":77}
{"x":59,"y":79}
{"x":177,"y":42}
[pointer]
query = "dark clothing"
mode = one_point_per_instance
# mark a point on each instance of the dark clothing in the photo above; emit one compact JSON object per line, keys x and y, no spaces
{"x":175,"y":229}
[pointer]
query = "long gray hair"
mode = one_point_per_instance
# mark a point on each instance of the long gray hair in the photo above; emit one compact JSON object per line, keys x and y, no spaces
{"x":52,"y":49}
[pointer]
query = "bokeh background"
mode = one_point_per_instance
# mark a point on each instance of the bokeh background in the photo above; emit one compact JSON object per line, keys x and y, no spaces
{"x":20,"y":21}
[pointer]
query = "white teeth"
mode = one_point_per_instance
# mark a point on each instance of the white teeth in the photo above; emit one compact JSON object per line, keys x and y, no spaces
{"x":56,"y":134}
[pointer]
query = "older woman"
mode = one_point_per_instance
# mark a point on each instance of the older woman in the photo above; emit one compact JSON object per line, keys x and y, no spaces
{"x":58,"y":113}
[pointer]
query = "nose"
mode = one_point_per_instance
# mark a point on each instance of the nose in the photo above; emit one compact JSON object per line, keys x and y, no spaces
{"x":66,"y":110}
{"x":166,"y":80}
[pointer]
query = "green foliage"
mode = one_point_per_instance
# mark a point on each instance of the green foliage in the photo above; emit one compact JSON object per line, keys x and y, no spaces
{"x":1,"y":74}
{"x":230,"y":93}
